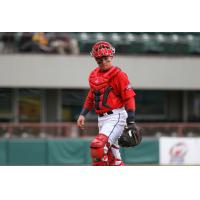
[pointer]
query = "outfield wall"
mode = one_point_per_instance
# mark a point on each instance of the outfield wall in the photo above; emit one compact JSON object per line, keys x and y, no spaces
{"x":163,"y":151}
{"x":68,"y":152}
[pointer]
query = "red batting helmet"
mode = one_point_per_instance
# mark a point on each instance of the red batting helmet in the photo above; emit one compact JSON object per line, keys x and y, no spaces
{"x":102,"y":48}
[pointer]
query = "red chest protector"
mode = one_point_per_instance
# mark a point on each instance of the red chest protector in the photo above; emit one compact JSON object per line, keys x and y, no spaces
{"x":99,"y":84}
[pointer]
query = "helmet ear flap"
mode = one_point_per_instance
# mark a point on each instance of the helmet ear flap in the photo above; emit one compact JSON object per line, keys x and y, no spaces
{"x":113,"y":50}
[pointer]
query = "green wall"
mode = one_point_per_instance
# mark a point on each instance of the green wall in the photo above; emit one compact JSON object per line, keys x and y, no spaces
{"x":3,"y":152}
{"x":145,"y":153}
{"x":68,"y":152}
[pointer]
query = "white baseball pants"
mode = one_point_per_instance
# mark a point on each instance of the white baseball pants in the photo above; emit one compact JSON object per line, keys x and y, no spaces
{"x":112,"y":126}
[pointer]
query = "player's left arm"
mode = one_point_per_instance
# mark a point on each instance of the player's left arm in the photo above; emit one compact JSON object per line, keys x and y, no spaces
{"x":128,"y":95}
{"x":132,"y":134}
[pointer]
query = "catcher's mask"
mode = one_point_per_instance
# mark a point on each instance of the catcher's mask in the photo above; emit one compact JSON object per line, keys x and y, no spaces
{"x":101,"y":49}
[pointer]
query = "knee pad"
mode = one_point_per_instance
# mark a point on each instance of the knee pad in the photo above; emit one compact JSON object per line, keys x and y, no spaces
{"x":99,"y":148}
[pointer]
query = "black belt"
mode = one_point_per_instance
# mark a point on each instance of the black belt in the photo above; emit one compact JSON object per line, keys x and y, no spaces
{"x":107,"y":113}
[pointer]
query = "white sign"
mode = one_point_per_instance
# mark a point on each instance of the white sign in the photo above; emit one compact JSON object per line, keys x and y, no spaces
{"x":179,"y":151}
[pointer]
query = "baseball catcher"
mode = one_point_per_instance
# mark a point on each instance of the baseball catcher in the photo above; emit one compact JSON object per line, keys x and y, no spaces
{"x":113,"y":98}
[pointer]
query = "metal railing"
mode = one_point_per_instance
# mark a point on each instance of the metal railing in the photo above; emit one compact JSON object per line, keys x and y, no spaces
{"x":70,"y":130}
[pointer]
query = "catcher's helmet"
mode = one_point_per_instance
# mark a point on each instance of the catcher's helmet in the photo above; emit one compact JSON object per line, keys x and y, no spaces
{"x":102,"y":48}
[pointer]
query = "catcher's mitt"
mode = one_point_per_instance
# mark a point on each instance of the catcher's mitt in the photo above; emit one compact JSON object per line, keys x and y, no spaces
{"x":131,"y":136}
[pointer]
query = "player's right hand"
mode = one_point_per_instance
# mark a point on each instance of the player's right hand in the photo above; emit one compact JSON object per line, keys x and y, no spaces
{"x":81,"y":122}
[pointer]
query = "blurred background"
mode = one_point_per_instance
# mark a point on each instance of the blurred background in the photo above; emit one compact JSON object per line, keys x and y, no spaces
{"x":43,"y":84}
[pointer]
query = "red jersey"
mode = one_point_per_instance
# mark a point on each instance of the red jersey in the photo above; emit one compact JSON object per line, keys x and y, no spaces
{"x":109,"y":90}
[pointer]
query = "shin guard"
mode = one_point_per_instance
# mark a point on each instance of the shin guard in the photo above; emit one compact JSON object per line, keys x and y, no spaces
{"x":99,"y":148}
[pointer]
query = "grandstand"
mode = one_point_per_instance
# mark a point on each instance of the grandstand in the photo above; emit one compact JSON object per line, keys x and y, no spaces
{"x":144,"y":43}
{"x":128,"y":43}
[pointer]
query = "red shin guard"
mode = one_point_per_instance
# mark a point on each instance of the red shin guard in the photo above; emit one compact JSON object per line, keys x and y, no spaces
{"x":98,"y":147}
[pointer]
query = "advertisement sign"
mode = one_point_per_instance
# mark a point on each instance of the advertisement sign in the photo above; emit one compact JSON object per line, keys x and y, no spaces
{"x":179,"y":151}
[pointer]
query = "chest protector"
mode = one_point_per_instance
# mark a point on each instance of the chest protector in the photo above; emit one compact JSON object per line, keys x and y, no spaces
{"x":99,"y":84}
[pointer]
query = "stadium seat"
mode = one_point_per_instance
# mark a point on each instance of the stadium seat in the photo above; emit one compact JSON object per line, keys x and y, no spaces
{"x":138,"y":45}
{"x":155,"y":43}
{"x":99,"y":36}
{"x":176,"y":45}
{"x":127,"y":39}
{"x":151,"y":43}
{"x":85,"y":42}
{"x":194,"y":43}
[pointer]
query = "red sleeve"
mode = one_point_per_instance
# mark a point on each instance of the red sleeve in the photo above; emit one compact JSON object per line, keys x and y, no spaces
{"x":89,"y":101}
{"x":126,"y":91}
{"x":130,"y":104}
